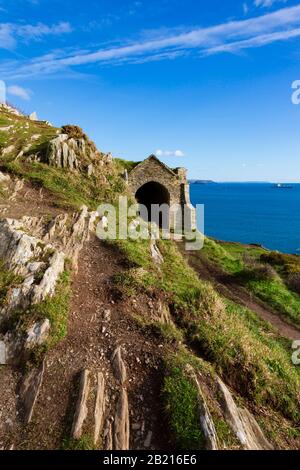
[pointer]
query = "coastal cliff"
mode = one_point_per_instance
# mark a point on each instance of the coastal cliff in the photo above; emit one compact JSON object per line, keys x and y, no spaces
{"x":131,"y":344}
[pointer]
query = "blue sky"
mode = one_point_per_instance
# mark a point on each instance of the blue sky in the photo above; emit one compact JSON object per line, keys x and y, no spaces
{"x":204,"y":84}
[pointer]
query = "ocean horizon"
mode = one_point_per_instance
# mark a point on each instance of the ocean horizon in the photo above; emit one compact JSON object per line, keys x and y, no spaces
{"x":251,"y":213}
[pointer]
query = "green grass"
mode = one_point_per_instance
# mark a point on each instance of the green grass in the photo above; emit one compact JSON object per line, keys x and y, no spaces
{"x":182,"y":407}
{"x":70,"y":189}
{"x":55,"y":308}
{"x":214,"y":251}
{"x":251,"y":267}
{"x":84,"y":443}
{"x":242,"y":347}
{"x":8,"y":280}
{"x":126,"y":164}
{"x":279,"y":297}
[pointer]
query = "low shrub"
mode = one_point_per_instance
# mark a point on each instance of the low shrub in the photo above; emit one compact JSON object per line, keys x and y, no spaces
{"x":293,"y":282}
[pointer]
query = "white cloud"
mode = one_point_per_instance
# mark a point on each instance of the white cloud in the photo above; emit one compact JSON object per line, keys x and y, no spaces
{"x":258,"y":41}
{"x":281,"y":25}
{"x":267,"y":3}
{"x":169,"y":153}
{"x":19,"y":91}
{"x":10,"y":33}
{"x":245,"y":8}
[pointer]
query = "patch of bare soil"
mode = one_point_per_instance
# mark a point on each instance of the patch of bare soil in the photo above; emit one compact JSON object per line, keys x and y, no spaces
{"x":99,"y":320}
{"x":19,"y":198}
{"x":231,"y":290}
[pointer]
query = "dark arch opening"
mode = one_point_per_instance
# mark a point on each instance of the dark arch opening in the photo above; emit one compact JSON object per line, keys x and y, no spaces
{"x":153,"y":193}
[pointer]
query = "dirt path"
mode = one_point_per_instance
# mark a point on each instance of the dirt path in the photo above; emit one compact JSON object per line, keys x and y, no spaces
{"x":227,"y":287}
{"x":89,"y":344}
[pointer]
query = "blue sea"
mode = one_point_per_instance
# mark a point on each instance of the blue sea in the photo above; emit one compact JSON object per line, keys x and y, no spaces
{"x":251,"y":213}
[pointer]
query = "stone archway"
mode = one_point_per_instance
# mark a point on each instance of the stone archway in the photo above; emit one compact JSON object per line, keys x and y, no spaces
{"x":152,"y":193}
{"x":153,"y":182}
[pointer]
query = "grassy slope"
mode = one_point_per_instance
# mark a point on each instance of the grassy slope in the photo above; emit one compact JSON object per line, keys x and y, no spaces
{"x":245,"y":262}
{"x":233,"y":340}
{"x":71,"y":189}
{"x":242,"y":348}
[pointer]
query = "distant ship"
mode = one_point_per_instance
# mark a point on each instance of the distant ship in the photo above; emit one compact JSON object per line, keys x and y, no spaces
{"x":282,"y":186}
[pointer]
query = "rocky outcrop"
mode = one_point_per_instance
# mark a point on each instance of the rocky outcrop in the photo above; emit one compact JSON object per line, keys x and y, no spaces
{"x":10,"y":109}
{"x":118,"y":365}
{"x":65,"y":151}
{"x":33,"y":116}
{"x":4,"y":178}
{"x":121,"y":423}
{"x":66,"y":232}
{"x":81,"y":406}
{"x":7,"y":150}
{"x":37,"y":334}
{"x":35,"y":250}
{"x":242,"y":422}
{"x":99,"y":407}
{"x":22,"y":254}
{"x":2,"y":353}
{"x":155,"y":253}
{"x":29,"y":392}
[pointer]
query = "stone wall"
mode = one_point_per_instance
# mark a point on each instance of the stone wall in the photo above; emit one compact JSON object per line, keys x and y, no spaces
{"x":175,"y":181}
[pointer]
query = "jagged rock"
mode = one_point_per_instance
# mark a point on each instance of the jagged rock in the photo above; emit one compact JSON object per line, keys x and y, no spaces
{"x":242,"y":422}
{"x":2,"y":353}
{"x":33,"y":116}
{"x":205,"y":418}
{"x":6,"y":128}
{"x":155,"y":253}
{"x":37,"y":334}
{"x":148,"y":439}
{"x":121,"y":423}
{"x":48,"y":283}
{"x":13,"y":343}
{"x":90,"y":170}
{"x":81,"y":406}
{"x":4,"y":178}
{"x":10,"y":109}
{"x":18,"y":250}
{"x":29,"y":391}
{"x":108,"y":436}
{"x":108,"y":157}
{"x":125,"y":176}
{"x":118,"y":365}
{"x":66,"y":152}
{"x":164,"y":314}
{"x":35,"y":137}
{"x":8,"y":150}
{"x":18,"y":186}
{"x":16,"y":247}
{"x":99,"y":406}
